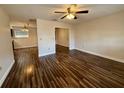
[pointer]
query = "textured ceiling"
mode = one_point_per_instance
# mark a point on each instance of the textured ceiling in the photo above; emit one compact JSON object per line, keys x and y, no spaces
{"x":46,"y":11}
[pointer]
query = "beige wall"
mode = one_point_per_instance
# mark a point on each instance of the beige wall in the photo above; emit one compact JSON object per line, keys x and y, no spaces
{"x":103,"y":36}
{"x":62,"y":36}
{"x":46,"y":36}
{"x":6,"y":52}
{"x":31,"y":41}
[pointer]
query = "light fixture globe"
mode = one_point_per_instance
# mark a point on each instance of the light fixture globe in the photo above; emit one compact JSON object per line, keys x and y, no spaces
{"x":70,"y":16}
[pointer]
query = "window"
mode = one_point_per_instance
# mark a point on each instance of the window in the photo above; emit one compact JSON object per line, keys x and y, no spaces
{"x":20,"y":33}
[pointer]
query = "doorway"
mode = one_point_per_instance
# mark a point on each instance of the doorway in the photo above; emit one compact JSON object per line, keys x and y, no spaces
{"x":62,"y":40}
{"x":24,"y":40}
{"x":24,"y":36}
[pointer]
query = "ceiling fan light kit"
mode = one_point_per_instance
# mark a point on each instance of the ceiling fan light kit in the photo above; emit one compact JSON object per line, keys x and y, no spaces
{"x":70,"y":14}
{"x":25,"y":28}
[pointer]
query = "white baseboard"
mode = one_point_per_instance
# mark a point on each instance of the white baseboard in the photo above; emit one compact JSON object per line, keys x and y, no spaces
{"x":24,"y":47}
{"x":97,"y":54}
{"x":44,"y":54}
{"x":6,"y":73}
{"x":72,"y":49}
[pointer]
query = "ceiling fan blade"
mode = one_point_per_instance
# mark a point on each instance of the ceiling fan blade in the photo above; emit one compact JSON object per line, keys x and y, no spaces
{"x":85,"y":11}
{"x":75,"y":17}
{"x":63,"y":17}
{"x":59,"y":12}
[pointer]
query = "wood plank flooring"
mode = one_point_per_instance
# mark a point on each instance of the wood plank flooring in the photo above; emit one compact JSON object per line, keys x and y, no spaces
{"x":64,"y":70}
{"x":61,"y":49}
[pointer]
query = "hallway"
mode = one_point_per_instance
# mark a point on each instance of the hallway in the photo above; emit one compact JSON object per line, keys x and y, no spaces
{"x":73,"y":69}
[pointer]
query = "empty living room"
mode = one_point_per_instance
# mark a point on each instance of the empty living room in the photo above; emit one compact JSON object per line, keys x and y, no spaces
{"x":61,"y":45}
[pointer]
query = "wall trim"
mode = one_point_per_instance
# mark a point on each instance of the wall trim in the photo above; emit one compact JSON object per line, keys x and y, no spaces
{"x":25,"y":47}
{"x":6,"y":73}
{"x":97,"y":54}
{"x":45,"y":54}
{"x":71,"y":48}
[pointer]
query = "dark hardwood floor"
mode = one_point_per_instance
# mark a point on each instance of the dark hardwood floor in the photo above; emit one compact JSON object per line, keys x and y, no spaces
{"x":61,"y":70}
{"x":61,"y":49}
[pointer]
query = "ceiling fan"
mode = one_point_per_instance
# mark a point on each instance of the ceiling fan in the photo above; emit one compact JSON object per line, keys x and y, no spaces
{"x":70,"y":14}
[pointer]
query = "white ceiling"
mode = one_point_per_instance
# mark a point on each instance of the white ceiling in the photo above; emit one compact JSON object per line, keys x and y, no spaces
{"x":46,"y":11}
